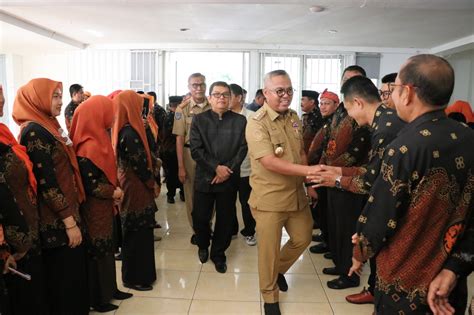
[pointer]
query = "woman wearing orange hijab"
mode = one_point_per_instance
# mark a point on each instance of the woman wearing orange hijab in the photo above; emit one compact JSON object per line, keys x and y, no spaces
{"x":463,"y":108}
{"x":138,"y":207}
{"x":98,"y":168}
{"x":18,"y":227}
{"x":60,"y":192}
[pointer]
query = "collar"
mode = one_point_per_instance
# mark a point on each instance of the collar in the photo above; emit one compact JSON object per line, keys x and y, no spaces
{"x":194,"y":104}
{"x":430,"y":116}
{"x":272,"y":113}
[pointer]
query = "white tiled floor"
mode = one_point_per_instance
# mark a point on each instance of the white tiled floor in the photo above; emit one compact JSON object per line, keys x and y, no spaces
{"x":185,"y":286}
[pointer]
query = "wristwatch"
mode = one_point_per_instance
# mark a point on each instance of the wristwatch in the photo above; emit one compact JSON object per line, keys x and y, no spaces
{"x":338,"y":182}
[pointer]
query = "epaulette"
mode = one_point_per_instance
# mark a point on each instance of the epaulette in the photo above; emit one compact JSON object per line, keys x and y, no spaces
{"x":260,"y":114}
{"x":185,"y":103}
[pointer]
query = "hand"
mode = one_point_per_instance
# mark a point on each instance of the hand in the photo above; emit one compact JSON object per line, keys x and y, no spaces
{"x":19,"y":255}
{"x":314,"y":169}
{"x":355,"y":239}
{"x":312,"y":193}
{"x":439,"y":291}
{"x":356,"y":268}
{"x":157,"y":190}
{"x":223,"y":171}
{"x":118,"y":194}
{"x":182,"y":175}
{"x":75,"y":236}
{"x":323,"y":179}
{"x":333,"y":169}
{"x":10,"y":262}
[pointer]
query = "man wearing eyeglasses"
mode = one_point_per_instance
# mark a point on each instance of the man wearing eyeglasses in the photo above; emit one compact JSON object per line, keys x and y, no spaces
{"x":385,"y":92}
{"x":183,"y":117}
{"x":422,"y":198}
{"x":218,"y":146}
{"x":278,"y":199}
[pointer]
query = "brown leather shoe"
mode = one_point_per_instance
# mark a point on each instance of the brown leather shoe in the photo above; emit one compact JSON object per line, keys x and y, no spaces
{"x":364,"y":297}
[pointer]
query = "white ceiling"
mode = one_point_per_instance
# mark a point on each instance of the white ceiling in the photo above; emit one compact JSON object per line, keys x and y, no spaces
{"x":420,"y":24}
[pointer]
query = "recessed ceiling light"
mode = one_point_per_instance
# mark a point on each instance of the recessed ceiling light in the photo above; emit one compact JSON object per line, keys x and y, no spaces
{"x":184,"y":29}
{"x":316,"y":8}
{"x":332,"y":31}
{"x":95,"y":33}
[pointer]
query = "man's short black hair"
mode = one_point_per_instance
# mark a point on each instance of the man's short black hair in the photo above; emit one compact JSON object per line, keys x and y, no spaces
{"x":355,"y":68}
{"x":312,"y":95}
{"x":361,"y":87}
{"x":152,"y":94}
{"x":74,"y":89}
{"x":259,"y":93}
{"x":389,"y":78}
{"x":236,"y":89}
{"x":218,"y":83}
{"x":175,"y":100}
{"x":431,"y":76}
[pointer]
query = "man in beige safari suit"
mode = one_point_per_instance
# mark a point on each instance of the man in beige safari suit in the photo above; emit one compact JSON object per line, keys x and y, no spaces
{"x":183,"y":117}
{"x":278,"y":198}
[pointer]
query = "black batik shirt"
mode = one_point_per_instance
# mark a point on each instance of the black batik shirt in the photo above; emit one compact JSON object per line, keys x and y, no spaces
{"x":417,"y":206}
{"x":384,"y":129}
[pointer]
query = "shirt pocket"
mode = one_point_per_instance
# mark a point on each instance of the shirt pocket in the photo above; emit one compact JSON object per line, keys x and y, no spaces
{"x":277,"y":138}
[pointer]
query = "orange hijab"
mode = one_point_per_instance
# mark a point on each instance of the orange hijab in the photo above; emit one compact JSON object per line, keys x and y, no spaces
{"x":128,"y":107}
{"x":33,"y":104}
{"x":114,"y":94}
{"x":6,"y":137}
{"x":463,"y":108}
{"x":89,"y":134}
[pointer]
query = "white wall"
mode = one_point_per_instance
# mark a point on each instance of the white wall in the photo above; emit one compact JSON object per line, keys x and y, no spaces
{"x":391,"y":62}
{"x":463,"y":65}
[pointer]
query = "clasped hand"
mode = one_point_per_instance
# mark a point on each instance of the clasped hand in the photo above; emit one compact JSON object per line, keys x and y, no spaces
{"x":222,"y":174}
{"x":323,"y":175}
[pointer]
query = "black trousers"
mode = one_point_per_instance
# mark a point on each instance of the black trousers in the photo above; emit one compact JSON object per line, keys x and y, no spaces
{"x":65,"y":272}
{"x":344,"y":209}
{"x":249,"y":221}
{"x":138,"y":257}
{"x":203,"y":205}
{"x":170,"y":165}
{"x":102,"y":279}
{"x":319,"y":213}
{"x":28,"y":297}
{"x":373,"y":274}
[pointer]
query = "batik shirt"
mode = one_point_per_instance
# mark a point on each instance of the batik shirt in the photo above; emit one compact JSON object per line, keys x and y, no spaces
{"x":417,"y":207}
{"x":384,"y":129}
{"x":347,"y":143}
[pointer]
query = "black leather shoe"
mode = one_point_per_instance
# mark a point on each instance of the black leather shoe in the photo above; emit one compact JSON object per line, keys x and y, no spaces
{"x":181,"y":196}
{"x":120,"y":295}
{"x":203,"y":255}
{"x":104,"y":308}
{"x":330,"y":271}
{"x":282,"y":284}
{"x":193,"y":239}
{"x":341,"y":283}
{"x":328,"y":255}
{"x":138,"y":287}
{"x":157,"y":226}
{"x":170,"y":199}
{"x":272,"y":308}
{"x":118,"y":256}
{"x":221,"y":267}
{"x":319,"y":248}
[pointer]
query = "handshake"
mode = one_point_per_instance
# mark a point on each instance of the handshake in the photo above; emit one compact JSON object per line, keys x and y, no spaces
{"x":322,"y":176}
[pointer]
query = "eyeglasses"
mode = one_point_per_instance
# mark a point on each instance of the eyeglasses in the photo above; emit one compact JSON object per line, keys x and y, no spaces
{"x":282,"y":92}
{"x":219,"y":95}
{"x":196,"y":86}
{"x":391,"y":86}
{"x":385,"y":94}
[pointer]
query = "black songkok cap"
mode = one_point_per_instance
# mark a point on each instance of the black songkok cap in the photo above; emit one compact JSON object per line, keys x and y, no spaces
{"x":310,"y":94}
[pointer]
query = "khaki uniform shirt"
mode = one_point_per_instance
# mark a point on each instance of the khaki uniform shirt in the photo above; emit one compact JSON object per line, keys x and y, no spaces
{"x":266,"y":132}
{"x":184,"y":116}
